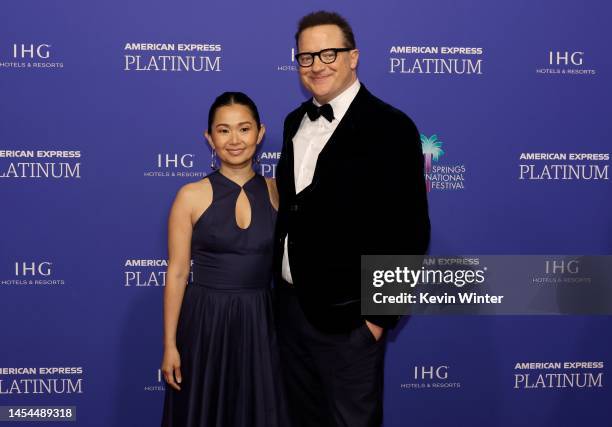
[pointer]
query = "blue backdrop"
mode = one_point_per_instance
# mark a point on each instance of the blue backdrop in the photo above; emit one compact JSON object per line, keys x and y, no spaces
{"x":103,"y":108}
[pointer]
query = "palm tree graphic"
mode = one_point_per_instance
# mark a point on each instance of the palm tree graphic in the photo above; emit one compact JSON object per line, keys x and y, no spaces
{"x":432,"y":150}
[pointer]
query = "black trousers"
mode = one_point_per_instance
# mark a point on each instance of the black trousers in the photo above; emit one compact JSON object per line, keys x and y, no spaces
{"x":331,"y":379}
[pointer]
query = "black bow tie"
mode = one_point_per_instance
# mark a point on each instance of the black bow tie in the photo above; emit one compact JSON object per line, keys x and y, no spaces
{"x":315,"y":112}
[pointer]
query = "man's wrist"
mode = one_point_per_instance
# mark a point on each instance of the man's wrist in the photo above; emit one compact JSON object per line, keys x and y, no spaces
{"x":376,"y":330}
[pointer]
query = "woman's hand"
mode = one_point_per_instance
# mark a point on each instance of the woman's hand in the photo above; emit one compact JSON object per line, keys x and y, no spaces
{"x":171,"y":367}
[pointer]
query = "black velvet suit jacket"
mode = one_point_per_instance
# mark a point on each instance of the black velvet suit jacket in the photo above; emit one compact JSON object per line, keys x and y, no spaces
{"x":367,"y":196}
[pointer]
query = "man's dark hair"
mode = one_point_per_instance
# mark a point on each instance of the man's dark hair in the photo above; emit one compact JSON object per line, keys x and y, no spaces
{"x":323,"y":17}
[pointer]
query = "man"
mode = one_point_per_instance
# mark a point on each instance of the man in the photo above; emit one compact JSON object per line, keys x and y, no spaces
{"x":351,"y":182}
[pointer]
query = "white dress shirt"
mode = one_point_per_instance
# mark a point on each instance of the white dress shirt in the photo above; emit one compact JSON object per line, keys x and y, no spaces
{"x":308,"y":142}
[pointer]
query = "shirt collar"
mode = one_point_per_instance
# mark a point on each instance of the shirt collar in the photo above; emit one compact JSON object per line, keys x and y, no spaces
{"x":341,"y":103}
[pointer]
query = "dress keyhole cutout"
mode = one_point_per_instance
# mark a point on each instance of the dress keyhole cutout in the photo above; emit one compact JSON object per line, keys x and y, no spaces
{"x":243,"y":211}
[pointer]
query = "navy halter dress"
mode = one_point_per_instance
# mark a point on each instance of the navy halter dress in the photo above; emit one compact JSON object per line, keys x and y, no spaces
{"x":225,"y":334}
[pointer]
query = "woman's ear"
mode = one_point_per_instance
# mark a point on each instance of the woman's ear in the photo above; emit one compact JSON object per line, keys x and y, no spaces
{"x":209,"y":139}
{"x":262,"y":132}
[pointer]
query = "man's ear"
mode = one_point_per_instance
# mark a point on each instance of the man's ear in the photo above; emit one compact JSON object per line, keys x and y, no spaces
{"x":354,"y":57}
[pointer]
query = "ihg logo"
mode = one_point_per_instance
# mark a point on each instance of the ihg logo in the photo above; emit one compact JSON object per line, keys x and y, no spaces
{"x":33,"y":269}
{"x":430,"y":372}
{"x":31,"y":51}
{"x":559,"y":58}
{"x":169,"y":161}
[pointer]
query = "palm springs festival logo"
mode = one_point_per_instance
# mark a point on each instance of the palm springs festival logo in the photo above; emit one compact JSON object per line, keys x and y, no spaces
{"x":440,"y":176}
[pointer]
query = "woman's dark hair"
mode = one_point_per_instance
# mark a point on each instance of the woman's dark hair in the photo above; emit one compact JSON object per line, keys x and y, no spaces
{"x":231,"y":98}
{"x":323,"y":17}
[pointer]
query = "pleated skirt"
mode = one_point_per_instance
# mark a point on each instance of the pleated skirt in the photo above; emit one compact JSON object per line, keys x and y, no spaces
{"x":229,"y":361}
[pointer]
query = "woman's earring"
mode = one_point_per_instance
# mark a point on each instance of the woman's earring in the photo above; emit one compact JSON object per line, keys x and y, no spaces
{"x":213,"y":160}
{"x":257,"y":159}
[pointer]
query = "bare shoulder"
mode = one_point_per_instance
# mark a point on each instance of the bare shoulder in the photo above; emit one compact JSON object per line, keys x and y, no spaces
{"x":194,"y":198}
{"x":194,"y":191}
{"x":273,"y":192}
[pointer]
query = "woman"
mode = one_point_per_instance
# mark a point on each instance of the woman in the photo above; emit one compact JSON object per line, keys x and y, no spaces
{"x":220,"y":359}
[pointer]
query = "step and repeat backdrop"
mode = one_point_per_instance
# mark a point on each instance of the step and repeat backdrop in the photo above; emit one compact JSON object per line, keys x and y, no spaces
{"x":103,"y":108}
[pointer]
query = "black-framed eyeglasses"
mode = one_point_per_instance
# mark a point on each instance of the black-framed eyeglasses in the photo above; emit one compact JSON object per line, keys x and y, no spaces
{"x":326,"y":56}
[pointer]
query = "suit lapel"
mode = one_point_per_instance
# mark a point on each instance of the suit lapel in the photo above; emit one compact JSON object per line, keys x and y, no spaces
{"x":343,"y":133}
{"x":292,"y":129}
